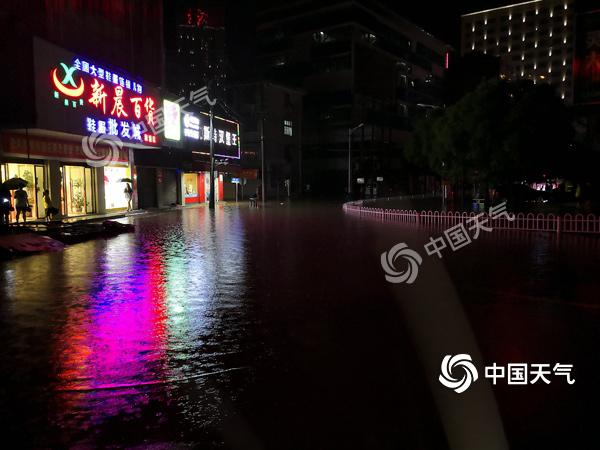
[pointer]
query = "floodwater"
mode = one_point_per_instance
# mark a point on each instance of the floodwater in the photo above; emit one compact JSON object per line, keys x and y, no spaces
{"x":274,"y":328}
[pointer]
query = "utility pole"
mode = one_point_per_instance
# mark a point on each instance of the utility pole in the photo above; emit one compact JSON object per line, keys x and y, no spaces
{"x":350,"y":131}
{"x":211,"y":198}
{"x":262,"y":142}
{"x":262,"y":157}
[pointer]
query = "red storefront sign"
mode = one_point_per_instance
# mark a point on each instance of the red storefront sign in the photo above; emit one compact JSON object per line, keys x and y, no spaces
{"x":41,"y":147}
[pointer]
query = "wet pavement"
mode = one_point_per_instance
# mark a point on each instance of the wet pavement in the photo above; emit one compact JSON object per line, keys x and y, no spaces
{"x":274,"y":328}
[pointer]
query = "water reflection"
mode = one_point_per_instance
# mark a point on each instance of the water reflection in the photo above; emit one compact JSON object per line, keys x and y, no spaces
{"x":154,"y":313}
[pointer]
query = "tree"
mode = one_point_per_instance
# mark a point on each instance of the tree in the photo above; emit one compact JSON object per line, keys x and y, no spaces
{"x":499,"y":133}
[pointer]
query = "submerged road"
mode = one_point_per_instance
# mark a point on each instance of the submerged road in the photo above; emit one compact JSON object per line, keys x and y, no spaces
{"x":274,"y":328}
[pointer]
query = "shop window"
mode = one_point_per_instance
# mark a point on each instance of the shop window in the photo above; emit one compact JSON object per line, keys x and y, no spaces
{"x":190,"y":185}
{"x":36,"y":183}
{"x":78,"y":190}
{"x":114,"y":188}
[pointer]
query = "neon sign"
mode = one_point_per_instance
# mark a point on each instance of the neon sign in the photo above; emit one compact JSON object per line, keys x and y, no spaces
{"x":106,"y":75}
{"x":225,"y":134}
{"x":116,"y":104}
{"x":172,"y":113}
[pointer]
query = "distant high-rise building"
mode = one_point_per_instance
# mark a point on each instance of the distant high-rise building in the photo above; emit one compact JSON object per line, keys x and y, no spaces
{"x":534,"y":40}
{"x":200,"y":55}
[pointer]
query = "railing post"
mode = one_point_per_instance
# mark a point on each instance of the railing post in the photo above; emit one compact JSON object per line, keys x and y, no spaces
{"x":418,"y":218}
{"x":558,"y":224}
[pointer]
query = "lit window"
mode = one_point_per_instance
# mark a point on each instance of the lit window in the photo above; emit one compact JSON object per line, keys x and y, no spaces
{"x":287,"y":127}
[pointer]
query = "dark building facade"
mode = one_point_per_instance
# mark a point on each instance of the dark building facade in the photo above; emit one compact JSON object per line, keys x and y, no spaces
{"x":358,"y":62}
{"x":272,"y":113}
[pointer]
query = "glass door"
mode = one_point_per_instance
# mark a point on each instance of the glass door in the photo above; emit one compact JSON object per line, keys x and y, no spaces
{"x":40,"y":186}
{"x":26,"y":172}
{"x":78,"y":190}
{"x":90,"y":203}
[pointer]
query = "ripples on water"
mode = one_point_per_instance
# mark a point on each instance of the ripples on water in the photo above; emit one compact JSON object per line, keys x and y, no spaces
{"x":136,"y":314}
{"x":280,"y":316}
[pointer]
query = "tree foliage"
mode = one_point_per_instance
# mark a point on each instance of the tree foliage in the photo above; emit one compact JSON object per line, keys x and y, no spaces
{"x":500,"y":132}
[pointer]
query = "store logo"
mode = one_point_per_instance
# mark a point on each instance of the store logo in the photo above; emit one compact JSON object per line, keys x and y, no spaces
{"x":67,"y":86}
{"x":460,"y":362}
{"x":101,"y":149}
{"x":388,"y":260}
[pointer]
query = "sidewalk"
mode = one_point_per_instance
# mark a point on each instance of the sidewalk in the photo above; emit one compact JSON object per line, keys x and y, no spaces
{"x":42,"y":225}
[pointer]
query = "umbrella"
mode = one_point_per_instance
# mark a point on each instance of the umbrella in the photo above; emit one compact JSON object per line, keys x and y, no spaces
{"x":126,"y":180}
{"x":14,"y":183}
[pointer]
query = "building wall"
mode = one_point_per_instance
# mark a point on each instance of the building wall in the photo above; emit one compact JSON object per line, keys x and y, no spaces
{"x":358,"y":62}
{"x":534,"y":40}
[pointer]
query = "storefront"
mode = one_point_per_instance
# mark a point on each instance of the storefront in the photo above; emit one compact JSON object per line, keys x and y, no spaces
{"x":196,"y":187}
{"x":116,"y":178}
{"x":61,"y":166}
{"x":35,"y":175}
{"x":88,"y":118}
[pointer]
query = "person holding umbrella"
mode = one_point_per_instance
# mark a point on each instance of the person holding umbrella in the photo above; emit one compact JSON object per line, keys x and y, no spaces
{"x":128,"y":191}
{"x":21,"y":200}
{"x":5,"y":206}
{"x":21,"y":203}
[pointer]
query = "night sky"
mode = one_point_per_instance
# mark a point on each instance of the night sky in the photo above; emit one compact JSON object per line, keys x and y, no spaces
{"x":442,"y":19}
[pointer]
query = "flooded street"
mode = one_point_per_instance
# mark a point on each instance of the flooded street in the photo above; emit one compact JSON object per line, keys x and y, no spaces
{"x":275,"y":328}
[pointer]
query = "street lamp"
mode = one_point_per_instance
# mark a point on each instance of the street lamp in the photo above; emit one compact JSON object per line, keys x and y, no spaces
{"x":350,"y":131}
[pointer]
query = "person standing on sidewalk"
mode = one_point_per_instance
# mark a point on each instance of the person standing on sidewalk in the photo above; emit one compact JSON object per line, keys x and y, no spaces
{"x":21,"y":203}
{"x":5,"y":206}
{"x":128,"y":195}
{"x":50,"y":209}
